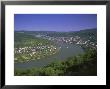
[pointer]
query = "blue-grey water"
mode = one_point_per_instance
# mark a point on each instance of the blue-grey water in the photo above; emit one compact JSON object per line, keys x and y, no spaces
{"x":66,"y":50}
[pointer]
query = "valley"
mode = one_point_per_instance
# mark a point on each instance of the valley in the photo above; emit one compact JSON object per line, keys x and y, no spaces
{"x":37,"y":50}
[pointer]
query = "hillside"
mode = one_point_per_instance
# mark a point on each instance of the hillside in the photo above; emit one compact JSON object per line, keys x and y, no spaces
{"x":27,"y":47}
{"x":22,"y":39}
{"x":80,"y":65}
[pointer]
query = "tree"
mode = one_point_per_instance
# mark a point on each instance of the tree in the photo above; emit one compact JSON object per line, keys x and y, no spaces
{"x":49,"y":71}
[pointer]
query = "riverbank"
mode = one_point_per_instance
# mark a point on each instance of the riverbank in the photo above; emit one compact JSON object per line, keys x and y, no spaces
{"x":66,"y":50}
{"x":80,"y":65}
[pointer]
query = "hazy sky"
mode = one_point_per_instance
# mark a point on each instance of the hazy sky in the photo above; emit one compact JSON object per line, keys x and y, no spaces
{"x":54,"y":22}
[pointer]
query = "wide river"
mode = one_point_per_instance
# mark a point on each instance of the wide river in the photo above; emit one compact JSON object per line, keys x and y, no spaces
{"x":66,"y":50}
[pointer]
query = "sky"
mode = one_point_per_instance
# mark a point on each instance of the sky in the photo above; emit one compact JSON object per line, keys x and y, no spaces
{"x":54,"y":22}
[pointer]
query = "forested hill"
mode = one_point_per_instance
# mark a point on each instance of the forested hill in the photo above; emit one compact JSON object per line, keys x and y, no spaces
{"x":82,"y":33}
{"x":23,"y":39}
{"x":86,"y":32}
{"x":90,"y":34}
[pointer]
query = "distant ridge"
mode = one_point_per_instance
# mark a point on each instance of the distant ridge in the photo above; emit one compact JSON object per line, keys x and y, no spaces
{"x":55,"y":31}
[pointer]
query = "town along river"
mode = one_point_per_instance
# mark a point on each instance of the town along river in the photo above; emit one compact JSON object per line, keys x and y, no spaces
{"x":66,"y":50}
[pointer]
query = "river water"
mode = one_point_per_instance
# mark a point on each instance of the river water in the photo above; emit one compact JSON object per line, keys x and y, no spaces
{"x":66,"y":50}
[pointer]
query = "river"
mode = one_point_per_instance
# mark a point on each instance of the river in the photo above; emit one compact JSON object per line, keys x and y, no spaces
{"x":66,"y":50}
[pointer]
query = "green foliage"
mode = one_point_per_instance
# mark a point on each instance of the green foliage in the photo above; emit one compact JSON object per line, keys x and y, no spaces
{"x":25,"y":39}
{"x":49,"y":71}
{"x":90,"y":54}
{"x":84,"y":64}
{"x":26,"y":47}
